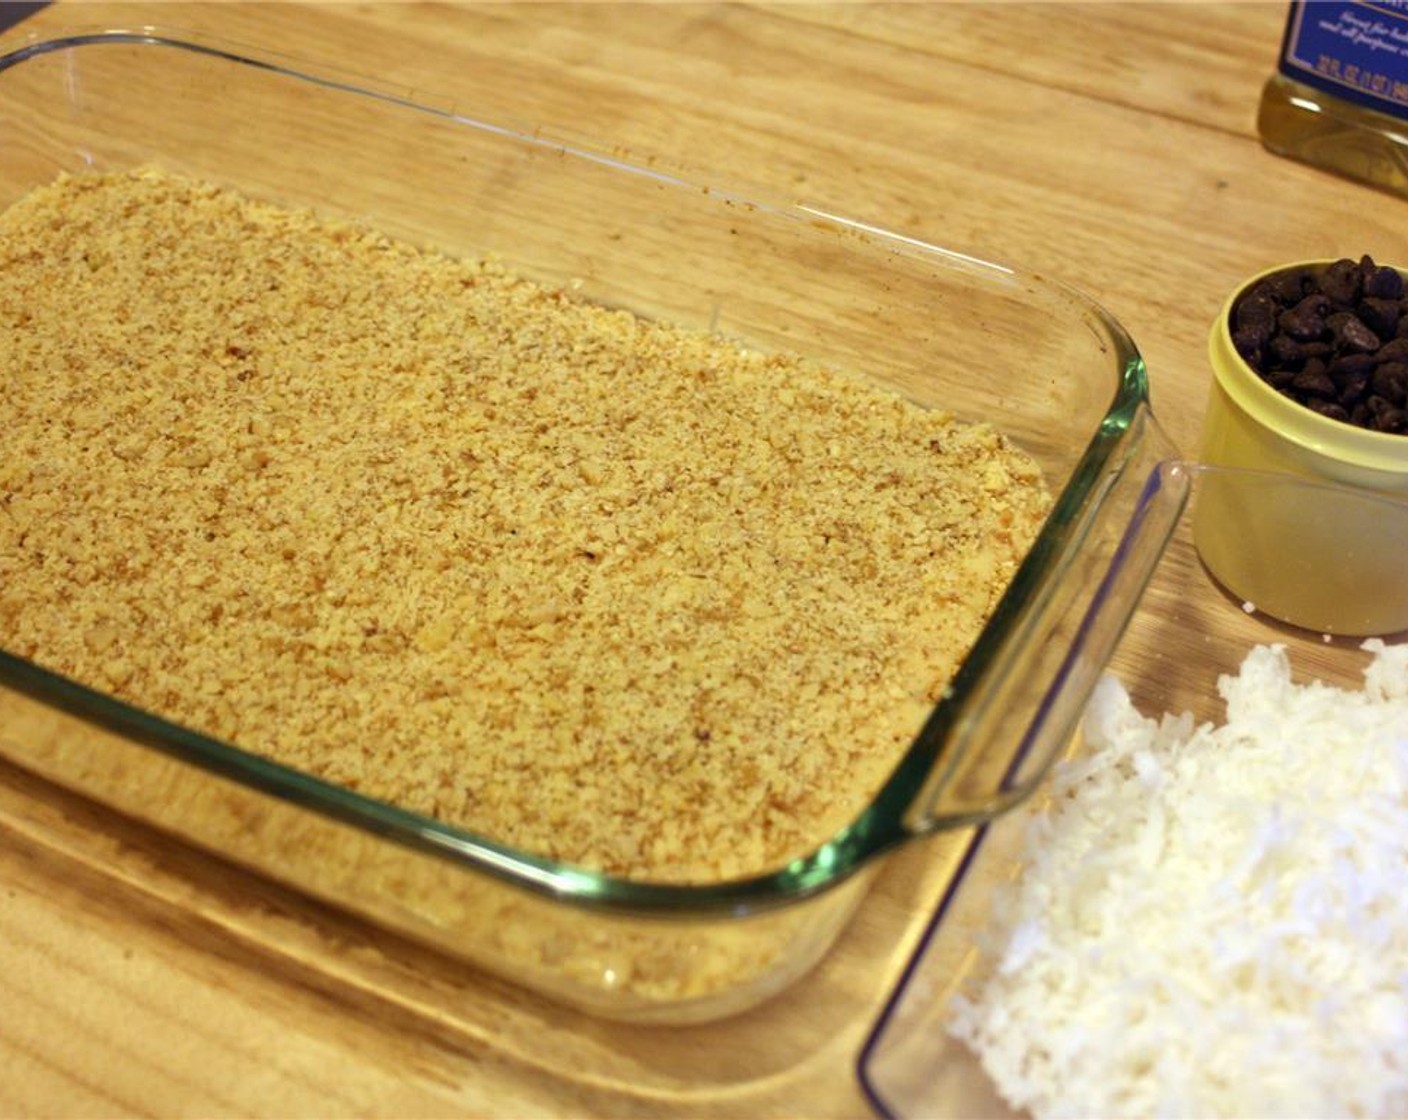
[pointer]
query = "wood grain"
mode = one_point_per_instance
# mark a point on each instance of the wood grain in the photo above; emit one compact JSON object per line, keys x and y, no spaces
{"x":1111,"y":146}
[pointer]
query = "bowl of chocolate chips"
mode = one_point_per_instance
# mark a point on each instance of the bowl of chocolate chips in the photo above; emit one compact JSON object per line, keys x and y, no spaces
{"x":1302,"y":509}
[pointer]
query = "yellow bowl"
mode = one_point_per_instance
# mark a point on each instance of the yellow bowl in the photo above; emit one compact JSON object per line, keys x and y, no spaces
{"x":1310,"y":523}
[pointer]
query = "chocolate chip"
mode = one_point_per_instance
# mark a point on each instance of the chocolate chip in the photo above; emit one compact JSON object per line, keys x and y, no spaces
{"x":1286,"y":353}
{"x":1351,"y":334}
{"x":1288,"y":287}
{"x":1390,"y":381}
{"x":1249,"y":342}
{"x":1392,"y":420}
{"x":1381,"y":315}
{"x":1257,"y":311}
{"x":1383,"y":283}
{"x":1386,"y":387}
{"x":1305,"y":322}
{"x":1314,"y":382}
{"x":1395,"y":350}
{"x":1328,"y":408}
{"x":1352,"y":365}
{"x":1350,"y":388}
{"x":1353,"y":376}
{"x":1341,"y":283}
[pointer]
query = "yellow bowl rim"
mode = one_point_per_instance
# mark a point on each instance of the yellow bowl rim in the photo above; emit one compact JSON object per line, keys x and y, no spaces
{"x":1286,"y":418}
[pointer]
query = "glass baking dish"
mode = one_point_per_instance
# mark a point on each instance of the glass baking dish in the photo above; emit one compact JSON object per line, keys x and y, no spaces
{"x":987,"y":342}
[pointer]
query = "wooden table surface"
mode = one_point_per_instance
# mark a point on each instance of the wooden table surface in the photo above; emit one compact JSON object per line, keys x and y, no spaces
{"x":1112,"y":146}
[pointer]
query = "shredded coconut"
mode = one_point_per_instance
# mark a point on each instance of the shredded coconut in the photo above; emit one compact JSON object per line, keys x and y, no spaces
{"x":1213,"y":920}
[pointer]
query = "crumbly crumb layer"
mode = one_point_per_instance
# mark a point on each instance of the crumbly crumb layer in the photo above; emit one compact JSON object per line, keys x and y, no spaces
{"x":607,"y":590}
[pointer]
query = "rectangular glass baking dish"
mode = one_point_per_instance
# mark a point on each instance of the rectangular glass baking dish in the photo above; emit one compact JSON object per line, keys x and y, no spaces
{"x":987,"y":342}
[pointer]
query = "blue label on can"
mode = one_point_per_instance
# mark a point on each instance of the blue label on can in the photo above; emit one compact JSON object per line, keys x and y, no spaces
{"x":1358,"y":51}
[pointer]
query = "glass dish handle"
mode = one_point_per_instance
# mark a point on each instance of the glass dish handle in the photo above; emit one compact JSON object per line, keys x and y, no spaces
{"x":993,"y":748}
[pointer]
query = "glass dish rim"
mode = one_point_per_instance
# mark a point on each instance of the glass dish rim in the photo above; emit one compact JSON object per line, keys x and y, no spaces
{"x":883,"y":823}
